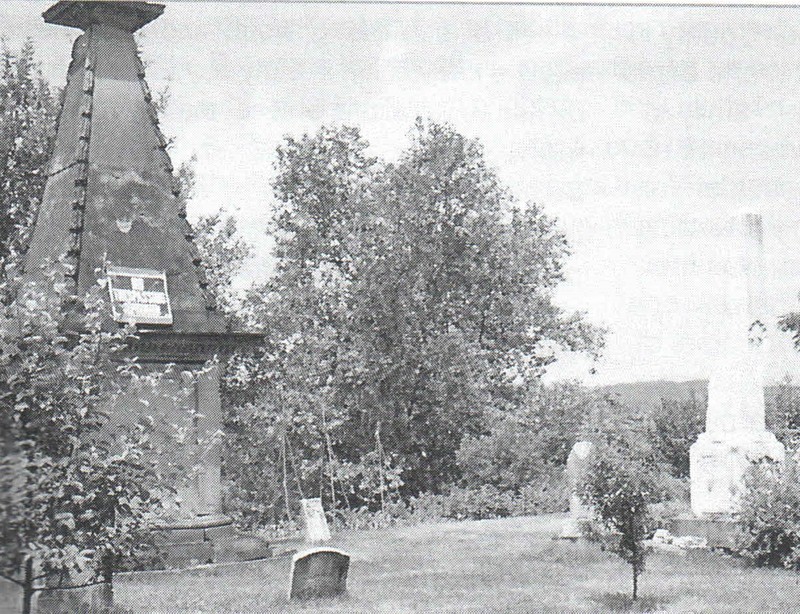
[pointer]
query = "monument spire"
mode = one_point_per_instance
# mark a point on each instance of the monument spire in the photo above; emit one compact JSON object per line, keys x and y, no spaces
{"x":735,"y":433}
{"x":111,"y":198}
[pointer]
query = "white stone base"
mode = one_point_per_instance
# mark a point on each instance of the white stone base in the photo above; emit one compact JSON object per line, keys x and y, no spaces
{"x":717,"y":463}
{"x":571,"y":529}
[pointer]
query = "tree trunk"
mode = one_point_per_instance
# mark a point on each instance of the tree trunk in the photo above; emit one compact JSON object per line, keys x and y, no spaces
{"x":635,"y":581}
{"x":27,"y":587}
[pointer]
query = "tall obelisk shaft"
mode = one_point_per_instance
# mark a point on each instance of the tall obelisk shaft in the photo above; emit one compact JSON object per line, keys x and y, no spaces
{"x":735,"y":432}
{"x":736,"y":387}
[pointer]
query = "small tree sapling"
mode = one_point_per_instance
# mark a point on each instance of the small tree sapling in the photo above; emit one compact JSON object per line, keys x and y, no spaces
{"x":620,"y":486}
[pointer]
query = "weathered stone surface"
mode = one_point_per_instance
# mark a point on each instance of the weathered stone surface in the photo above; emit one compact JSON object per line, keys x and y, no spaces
{"x":735,"y":434}
{"x":578,"y":463}
{"x":319,"y":572}
{"x":111,"y":199}
{"x":315,"y":522}
{"x":718,"y":462}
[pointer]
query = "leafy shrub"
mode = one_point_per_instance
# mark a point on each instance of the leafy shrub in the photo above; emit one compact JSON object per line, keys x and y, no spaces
{"x":783,"y":405}
{"x":364,"y":519}
{"x":549,"y":495}
{"x":770,"y":515}
{"x":677,"y":424}
{"x":621,"y":486}
{"x":782,"y":413}
{"x":525,"y":444}
{"x":672,"y":498}
{"x":669,"y":488}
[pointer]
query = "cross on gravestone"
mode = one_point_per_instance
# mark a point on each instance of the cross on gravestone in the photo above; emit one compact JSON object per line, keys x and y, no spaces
{"x":735,"y":433}
{"x":318,"y":573}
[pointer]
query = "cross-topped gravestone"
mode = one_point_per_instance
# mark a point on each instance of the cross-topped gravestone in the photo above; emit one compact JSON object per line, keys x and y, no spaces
{"x":735,"y":433}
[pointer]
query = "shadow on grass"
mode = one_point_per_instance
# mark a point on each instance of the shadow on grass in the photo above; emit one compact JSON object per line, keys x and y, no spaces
{"x":622,"y":602}
{"x":343,"y":603}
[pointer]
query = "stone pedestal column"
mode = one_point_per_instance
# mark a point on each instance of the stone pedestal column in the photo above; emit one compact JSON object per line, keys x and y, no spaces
{"x":735,"y":434}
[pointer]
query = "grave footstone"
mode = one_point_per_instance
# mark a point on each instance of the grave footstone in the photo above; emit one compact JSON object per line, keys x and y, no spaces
{"x":318,"y":573}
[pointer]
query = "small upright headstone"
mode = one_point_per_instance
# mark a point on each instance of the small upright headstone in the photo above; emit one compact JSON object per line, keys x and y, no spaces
{"x":319,"y":572}
{"x":316,"y":524}
{"x":578,"y":464}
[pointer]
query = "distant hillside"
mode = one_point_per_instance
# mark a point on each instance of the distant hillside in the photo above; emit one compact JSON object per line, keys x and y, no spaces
{"x":649,"y":393}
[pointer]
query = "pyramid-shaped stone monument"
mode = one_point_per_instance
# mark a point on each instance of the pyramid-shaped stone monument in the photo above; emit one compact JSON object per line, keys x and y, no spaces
{"x":111,"y":209}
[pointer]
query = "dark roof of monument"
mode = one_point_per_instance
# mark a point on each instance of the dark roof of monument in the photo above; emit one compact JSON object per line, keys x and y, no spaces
{"x":81,"y":14}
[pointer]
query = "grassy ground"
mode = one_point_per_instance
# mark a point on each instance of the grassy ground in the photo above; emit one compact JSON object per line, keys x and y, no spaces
{"x":509,"y":565}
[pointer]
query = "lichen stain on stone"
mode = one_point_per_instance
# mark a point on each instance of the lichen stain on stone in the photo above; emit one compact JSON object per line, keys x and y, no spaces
{"x":126,"y":197}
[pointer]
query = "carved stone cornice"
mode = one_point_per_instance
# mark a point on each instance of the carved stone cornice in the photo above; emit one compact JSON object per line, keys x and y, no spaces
{"x":165,"y":346}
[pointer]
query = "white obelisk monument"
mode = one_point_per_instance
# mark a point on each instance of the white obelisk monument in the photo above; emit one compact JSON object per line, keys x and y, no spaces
{"x":736,"y":433}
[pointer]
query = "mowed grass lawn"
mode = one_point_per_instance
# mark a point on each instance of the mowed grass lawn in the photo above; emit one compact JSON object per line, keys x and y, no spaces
{"x":508,"y":565}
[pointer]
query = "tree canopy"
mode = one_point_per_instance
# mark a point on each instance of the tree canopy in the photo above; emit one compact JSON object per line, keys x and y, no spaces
{"x":409,"y":299}
{"x":28,"y":112}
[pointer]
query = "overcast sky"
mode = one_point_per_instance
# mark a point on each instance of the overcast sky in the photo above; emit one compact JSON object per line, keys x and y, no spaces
{"x":640,"y":129}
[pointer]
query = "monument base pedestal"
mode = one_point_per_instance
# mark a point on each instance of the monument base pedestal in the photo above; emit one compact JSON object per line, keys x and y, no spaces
{"x":181,"y":543}
{"x":718,"y":531}
{"x":207,"y":539}
{"x":717,"y":465}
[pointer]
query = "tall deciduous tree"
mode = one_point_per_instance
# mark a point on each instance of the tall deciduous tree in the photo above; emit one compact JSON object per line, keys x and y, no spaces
{"x":28,"y":112}
{"x":410,"y":298}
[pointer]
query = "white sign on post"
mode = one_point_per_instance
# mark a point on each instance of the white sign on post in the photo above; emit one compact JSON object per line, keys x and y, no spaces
{"x":316,"y":523}
{"x":139,"y":296}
